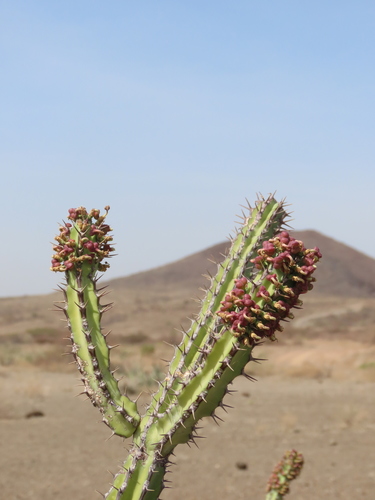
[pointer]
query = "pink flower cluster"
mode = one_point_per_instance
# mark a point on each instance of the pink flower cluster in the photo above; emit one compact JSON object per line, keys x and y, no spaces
{"x":285,"y":471}
{"x":90,"y":241}
{"x":254,"y":312}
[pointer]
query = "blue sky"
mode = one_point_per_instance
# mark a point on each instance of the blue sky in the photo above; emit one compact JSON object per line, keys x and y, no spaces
{"x":173,"y":113}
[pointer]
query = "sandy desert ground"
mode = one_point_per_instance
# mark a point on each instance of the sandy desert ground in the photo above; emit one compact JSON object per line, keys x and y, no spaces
{"x":315,"y":392}
{"x":55,"y":447}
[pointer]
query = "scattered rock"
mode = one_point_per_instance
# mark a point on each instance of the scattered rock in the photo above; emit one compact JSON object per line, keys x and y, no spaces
{"x":241,"y":465}
{"x":35,"y":413}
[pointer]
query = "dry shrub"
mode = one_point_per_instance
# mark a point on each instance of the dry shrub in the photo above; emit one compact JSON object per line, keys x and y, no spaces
{"x":47,"y":335}
{"x":308,"y":370}
{"x":137,"y":380}
{"x":136,"y":338}
{"x":366,"y":372}
{"x":147,"y":349}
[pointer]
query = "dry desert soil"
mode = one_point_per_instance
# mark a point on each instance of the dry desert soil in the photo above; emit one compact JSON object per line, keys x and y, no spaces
{"x":314,"y":393}
{"x":65,"y":454}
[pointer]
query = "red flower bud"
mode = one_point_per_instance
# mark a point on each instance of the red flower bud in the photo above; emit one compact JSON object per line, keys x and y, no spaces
{"x":295,"y":246}
{"x":268,"y":248}
{"x":241,"y":283}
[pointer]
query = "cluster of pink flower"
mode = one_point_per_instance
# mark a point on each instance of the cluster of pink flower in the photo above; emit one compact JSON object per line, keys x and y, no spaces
{"x":253,"y":318}
{"x":285,"y":471}
{"x":90,"y":243}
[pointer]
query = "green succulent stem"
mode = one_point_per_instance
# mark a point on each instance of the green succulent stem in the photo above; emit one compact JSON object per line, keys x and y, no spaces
{"x":92,"y":353}
{"x":256,"y":285}
{"x":83,"y":312}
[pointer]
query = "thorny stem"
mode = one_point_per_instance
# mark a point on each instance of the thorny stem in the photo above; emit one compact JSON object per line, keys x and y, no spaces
{"x":256,"y":286}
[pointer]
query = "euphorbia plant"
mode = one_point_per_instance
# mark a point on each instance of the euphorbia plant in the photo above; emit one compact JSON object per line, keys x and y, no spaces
{"x":255,"y":288}
{"x":285,"y":471}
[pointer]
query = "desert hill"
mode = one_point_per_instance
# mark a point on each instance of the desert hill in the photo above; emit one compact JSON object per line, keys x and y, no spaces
{"x":343,"y":271}
{"x":150,"y":305}
{"x":315,"y":391}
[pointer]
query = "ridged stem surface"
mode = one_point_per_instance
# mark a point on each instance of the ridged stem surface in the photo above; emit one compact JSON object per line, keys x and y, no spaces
{"x":255,"y":288}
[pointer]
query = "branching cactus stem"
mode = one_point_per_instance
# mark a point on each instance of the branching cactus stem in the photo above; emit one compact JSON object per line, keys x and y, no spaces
{"x":255,"y":288}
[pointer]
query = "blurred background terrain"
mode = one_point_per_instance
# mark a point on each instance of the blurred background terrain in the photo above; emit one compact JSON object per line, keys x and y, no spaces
{"x":314,"y":389}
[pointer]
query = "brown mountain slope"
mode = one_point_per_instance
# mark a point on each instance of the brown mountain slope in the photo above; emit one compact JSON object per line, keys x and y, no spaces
{"x":343,"y":271}
{"x":151,"y":304}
